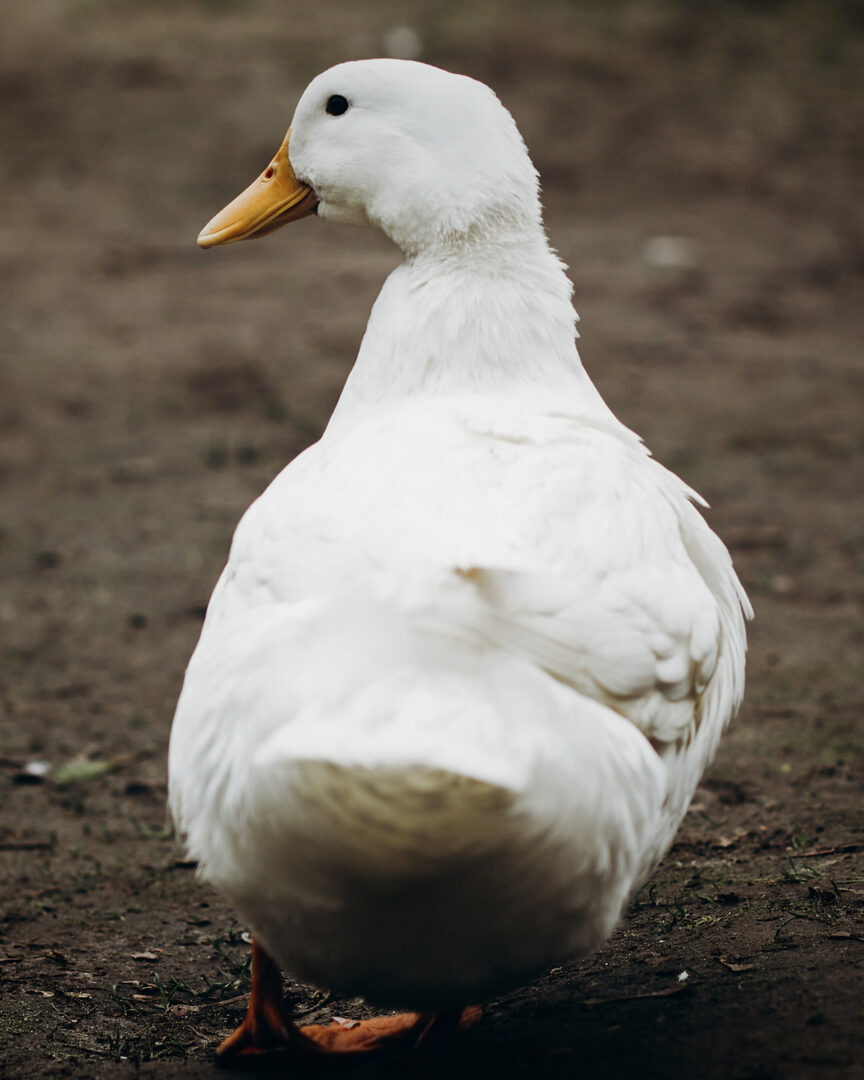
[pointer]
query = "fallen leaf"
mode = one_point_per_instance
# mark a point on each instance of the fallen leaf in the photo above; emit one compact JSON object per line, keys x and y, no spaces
{"x":26,"y":845}
{"x":144,"y":956}
{"x":734,"y":965}
{"x":181,"y":1011}
{"x":842,"y":849}
{"x":84,"y":767}
{"x":668,"y":992}
{"x":80,"y":771}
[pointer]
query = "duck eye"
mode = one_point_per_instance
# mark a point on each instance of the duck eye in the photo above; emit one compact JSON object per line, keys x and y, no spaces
{"x":336,"y":105}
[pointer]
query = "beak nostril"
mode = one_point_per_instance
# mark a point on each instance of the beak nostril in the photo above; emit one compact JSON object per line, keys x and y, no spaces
{"x":270,"y":173}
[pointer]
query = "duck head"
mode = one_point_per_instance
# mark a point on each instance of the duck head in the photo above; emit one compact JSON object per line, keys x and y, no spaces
{"x":429,"y":157}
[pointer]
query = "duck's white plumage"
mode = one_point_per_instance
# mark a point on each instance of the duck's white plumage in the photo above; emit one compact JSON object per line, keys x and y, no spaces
{"x":471,"y":651}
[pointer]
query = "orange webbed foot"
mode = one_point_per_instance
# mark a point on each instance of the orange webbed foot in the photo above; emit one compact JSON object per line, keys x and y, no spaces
{"x":267,"y":1028}
{"x":380,"y":1032}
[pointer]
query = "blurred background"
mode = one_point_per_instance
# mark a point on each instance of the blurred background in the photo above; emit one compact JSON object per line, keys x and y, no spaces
{"x":701,"y":168}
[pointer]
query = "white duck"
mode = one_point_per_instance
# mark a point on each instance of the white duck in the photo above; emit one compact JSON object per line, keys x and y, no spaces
{"x":472,"y":650}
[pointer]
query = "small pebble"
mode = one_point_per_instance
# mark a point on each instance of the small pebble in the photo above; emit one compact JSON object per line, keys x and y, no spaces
{"x":668,"y":251}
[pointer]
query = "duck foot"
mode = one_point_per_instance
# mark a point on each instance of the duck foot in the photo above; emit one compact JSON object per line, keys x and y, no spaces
{"x":267,"y":1028}
{"x":411,"y":1029}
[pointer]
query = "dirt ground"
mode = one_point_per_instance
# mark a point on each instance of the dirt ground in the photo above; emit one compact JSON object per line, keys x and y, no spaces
{"x":150,"y":391}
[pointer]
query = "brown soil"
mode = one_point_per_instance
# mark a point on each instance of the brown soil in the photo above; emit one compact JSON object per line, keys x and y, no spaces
{"x":150,"y":392}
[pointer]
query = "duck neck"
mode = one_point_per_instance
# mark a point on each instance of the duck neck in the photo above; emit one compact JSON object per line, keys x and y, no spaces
{"x":470,"y":318}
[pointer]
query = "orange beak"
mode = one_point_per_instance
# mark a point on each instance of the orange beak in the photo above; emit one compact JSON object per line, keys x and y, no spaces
{"x":270,"y":202}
